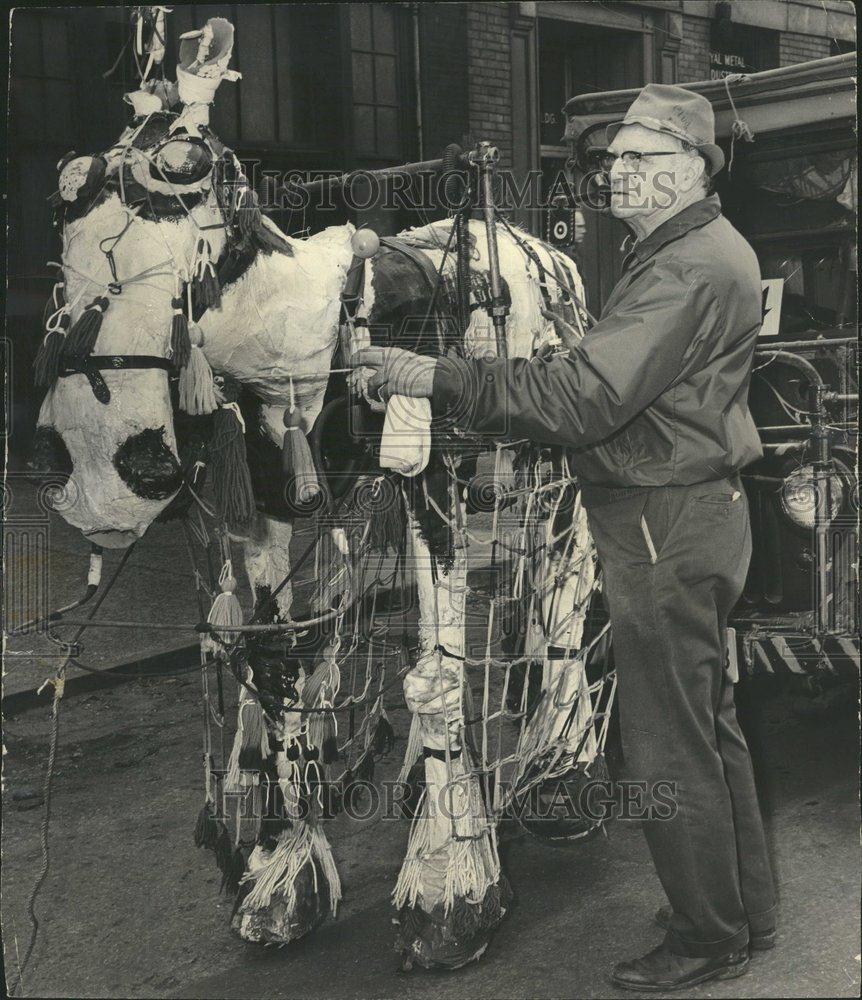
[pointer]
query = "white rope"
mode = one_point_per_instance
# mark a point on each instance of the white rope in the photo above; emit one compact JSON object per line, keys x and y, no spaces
{"x":739,"y":129}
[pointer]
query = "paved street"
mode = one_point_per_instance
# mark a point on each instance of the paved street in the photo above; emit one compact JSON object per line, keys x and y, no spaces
{"x":131,"y":908}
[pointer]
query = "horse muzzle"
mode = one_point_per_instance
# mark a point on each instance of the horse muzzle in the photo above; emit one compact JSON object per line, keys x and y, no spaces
{"x":147,"y":465}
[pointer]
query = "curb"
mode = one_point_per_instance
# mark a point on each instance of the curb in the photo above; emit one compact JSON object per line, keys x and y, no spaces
{"x":167,"y":662}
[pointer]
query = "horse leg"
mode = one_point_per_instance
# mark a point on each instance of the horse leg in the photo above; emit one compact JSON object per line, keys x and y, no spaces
{"x":267,"y":563}
{"x":291,"y":881}
{"x":451,"y":893}
{"x":561,"y":746}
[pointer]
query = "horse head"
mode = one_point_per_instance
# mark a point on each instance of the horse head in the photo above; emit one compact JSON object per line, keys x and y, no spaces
{"x":142,"y":226}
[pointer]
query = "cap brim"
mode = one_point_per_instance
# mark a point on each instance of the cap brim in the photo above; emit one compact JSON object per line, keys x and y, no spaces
{"x":712,"y":153}
{"x":611,"y":130}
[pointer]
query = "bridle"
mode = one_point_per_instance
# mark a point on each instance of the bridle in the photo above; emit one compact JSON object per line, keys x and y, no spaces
{"x":92,"y":366}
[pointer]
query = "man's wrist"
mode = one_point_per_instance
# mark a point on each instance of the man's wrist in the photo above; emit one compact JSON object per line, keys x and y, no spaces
{"x":453,"y":393}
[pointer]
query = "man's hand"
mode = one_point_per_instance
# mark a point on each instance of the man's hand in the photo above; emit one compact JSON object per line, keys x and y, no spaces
{"x":396,"y":372}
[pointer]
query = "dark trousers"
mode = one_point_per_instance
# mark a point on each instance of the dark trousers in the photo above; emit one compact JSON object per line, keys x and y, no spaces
{"x":674,"y":561}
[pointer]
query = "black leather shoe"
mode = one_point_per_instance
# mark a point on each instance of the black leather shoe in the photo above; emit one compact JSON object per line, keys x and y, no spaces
{"x":757,"y":940}
{"x":662,"y":971}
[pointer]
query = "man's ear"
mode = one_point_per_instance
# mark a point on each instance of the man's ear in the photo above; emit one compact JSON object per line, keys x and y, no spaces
{"x":695,"y":172}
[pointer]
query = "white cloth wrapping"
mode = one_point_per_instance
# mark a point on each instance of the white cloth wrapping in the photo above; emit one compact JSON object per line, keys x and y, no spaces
{"x":143,"y":102}
{"x":204,"y":56}
{"x":405,"y":445}
{"x":196,"y":89}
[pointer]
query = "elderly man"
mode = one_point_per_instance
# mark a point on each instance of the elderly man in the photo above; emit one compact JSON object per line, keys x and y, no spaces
{"x":653,"y":402}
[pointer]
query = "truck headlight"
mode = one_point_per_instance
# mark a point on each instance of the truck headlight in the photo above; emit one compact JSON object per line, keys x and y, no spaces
{"x":799,"y":498}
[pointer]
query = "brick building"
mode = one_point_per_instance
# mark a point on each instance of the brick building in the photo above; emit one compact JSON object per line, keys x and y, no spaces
{"x":341,"y":86}
{"x":558,"y":50}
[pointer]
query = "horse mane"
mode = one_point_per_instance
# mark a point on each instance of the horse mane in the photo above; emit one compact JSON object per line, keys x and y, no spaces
{"x":267,"y":237}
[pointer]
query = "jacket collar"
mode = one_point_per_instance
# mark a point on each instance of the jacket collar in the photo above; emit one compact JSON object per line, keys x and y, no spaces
{"x":693,"y":217}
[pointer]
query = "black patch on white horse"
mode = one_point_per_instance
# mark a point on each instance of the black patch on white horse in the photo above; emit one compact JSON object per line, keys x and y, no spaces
{"x":147,"y":465}
{"x":403,"y":288}
{"x":402,"y":294}
{"x":50,"y":454}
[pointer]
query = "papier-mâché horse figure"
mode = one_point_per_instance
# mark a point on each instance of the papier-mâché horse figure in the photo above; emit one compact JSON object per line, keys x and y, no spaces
{"x":170,"y":273}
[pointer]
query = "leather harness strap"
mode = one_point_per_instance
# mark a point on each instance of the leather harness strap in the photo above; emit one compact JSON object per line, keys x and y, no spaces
{"x":419,"y":258}
{"x":441,"y":754}
{"x":543,"y":286}
{"x":95,"y":363}
{"x":351,"y":292}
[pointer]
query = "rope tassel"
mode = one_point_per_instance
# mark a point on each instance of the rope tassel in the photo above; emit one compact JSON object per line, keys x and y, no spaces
{"x":226,"y":610}
{"x":46,"y":367}
{"x":181,"y":346}
{"x":198,"y":394}
{"x":450,"y":893}
{"x":206,"y":828}
{"x":229,"y":465}
{"x":329,"y":739}
{"x":206,"y":289}
{"x":81,"y":339}
{"x":247,"y":213}
{"x":288,"y":890}
{"x":296,"y":461}
{"x":251,"y":744}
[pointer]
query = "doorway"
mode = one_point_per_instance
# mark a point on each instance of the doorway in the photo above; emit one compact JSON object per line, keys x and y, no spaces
{"x":577,"y":59}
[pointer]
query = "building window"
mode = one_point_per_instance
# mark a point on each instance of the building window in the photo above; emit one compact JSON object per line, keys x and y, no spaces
{"x":741,"y":48}
{"x":577,"y":59}
{"x":841,"y":46}
{"x":374,"y":31}
{"x":308,"y":74}
{"x":290,"y":94}
{"x":583,"y":59}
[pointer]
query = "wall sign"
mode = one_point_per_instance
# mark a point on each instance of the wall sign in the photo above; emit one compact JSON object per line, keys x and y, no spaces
{"x":773,"y":293}
{"x":722,"y":64}
{"x":740,"y":48}
{"x":560,"y":226}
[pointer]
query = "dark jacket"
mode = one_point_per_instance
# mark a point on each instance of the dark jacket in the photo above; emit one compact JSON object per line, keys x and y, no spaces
{"x":657,"y":392}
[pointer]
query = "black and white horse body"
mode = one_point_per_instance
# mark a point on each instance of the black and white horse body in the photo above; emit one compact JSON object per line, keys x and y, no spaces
{"x":275,"y":332}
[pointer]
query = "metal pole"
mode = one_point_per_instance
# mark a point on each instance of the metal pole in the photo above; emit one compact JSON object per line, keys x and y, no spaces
{"x":803,"y":428}
{"x":485,"y":157}
{"x":417,"y":74}
{"x":820,"y":342}
{"x":822,"y":511}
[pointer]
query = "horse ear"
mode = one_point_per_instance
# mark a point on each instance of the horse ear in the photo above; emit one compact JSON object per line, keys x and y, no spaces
{"x":203,"y":58}
{"x":157,"y":95}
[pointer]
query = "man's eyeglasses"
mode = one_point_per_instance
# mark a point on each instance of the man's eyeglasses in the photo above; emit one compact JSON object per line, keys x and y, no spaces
{"x":631,"y":158}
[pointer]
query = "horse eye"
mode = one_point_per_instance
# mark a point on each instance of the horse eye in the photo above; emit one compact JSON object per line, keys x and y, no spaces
{"x":181,"y":162}
{"x":80,"y":176}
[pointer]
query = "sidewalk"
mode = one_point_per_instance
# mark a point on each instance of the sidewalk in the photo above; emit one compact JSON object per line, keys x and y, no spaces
{"x":156,"y":586}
